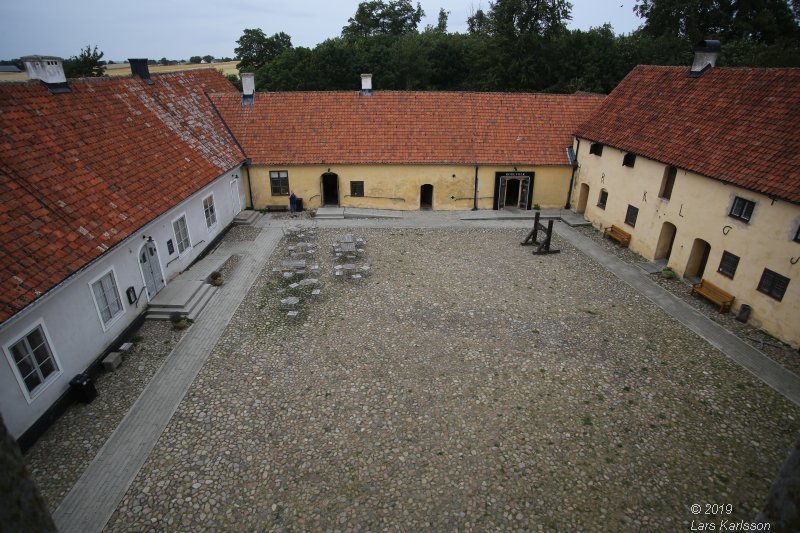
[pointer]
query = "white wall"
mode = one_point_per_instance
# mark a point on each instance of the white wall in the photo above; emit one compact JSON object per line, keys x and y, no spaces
{"x":69,"y":315}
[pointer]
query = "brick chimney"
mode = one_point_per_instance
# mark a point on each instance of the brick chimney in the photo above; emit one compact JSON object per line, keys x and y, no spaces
{"x":705,"y":57}
{"x":366,"y":84}
{"x":140,"y":68}
{"x":49,"y":70}
{"x":248,"y":87}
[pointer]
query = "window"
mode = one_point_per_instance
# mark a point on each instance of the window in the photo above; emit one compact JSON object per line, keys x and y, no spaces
{"x":668,"y":182}
{"x":106,"y":297}
{"x":181,"y":234}
{"x":356,"y":188}
{"x":33,"y":359}
{"x":629,"y":160}
{"x":596,"y":149}
{"x":279,"y":182}
{"x":631,"y":215}
{"x":728,"y":264}
{"x":742,"y":209}
{"x":210,"y":212}
{"x":601,"y":202}
{"x":773,"y":284}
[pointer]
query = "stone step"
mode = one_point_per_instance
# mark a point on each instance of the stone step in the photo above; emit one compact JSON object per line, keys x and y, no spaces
{"x":247,"y":217}
{"x":176,"y":294}
{"x":202,"y":302}
{"x":189,"y":301}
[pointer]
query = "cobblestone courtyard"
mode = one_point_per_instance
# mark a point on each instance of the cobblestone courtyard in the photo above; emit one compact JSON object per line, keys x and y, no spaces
{"x":466,"y":384}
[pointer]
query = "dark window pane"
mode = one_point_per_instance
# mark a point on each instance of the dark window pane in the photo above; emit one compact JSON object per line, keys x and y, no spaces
{"x":41,"y":353}
{"x":47,"y":367}
{"x":32,"y":381}
{"x":773,"y":284}
{"x":631,"y":215}
{"x":25,"y":366}
{"x":596,"y":149}
{"x":742,"y":209}
{"x":728,"y":264}
{"x":668,"y":183}
{"x":356,"y":188}
{"x":35,"y":338}
{"x":629,"y":160}
{"x":603,"y":199}
{"x":18,"y":351}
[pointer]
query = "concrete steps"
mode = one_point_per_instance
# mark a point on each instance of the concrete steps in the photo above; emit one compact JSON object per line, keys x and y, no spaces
{"x":246,"y":218}
{"x":187,"y":298}
{"x":329,"y":213}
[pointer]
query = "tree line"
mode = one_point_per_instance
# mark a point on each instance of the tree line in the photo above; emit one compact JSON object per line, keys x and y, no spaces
{"x":519,"y":45}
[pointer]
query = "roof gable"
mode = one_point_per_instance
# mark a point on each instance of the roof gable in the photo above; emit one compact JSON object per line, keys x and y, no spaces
{"x":406,"y":127}
{"x":735,"y":125}
{"x":82,"y":171}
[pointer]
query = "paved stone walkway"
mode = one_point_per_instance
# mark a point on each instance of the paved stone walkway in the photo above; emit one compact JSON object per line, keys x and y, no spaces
{"x":776,"y":376}
{"x":97,"y":493}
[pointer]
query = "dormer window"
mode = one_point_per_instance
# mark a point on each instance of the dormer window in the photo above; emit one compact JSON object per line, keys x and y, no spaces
{"x":629,"y":160}
{"x":596,"y":149}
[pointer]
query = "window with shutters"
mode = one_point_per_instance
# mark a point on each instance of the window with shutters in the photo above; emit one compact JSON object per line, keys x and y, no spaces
{"x":742,"y":209}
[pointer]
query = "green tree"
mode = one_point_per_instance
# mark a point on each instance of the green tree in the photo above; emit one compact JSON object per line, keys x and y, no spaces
{"x":441,"y":24}
{"x":85,"y":65}
{"x":529,"y":17}
{"x":208,"y":59}
{"x":256,"y":49}
{"x":164,"y":61}
{"x":376,"y":17}
{"x":195,"y":59}
{"x":478,"y":23}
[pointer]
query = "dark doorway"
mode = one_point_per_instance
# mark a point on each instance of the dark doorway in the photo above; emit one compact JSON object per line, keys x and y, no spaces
{"x":330,"y":189}
{"x":426,"y":196}
{"x":665,"y":241}
{"x":512,"y":193}
{"x":698,"y":259}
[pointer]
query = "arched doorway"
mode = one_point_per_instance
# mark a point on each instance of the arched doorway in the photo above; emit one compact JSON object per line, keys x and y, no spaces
{"x":583,"y":197}
{"x":151,"y":269}
{"x":426,"y":196}
{"x":330,"y":189}
{"x":697,"y":259}
{"x":665,"y":241}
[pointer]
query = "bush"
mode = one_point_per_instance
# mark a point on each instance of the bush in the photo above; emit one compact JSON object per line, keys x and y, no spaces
{"x":216,"y":278}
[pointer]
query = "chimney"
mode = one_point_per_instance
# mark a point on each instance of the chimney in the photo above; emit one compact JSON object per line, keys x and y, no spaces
{"x":366,"y":84}
{"x":49,"y":70}
{"x":248,"y":88}
{"x":139,"y":68}
{"x":705,"y":57}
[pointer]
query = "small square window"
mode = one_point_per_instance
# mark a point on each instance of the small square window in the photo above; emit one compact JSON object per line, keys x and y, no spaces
{"x":668,"y":182}
{"x":596,"y":149}
{"x":601,"y":202}
{"x":356,"y":188}
{"x":728,"y":264}
{"x":181,"y":234}
{"x":279,"y":182}
{"x":629,"y":160}
{"x":210,"y":212}
{"x":631,"y":215}
{"x":742,"y":209}
{"x":773,"y":284}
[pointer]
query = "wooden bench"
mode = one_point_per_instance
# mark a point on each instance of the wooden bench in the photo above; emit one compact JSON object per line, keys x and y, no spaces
{"x":714,"y":293}
{"x":271,"y":208}
{"x":619,"y":235}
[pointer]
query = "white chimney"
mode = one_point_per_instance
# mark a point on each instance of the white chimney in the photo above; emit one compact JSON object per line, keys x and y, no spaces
{"x":366,"y":84}
{"x":705,"y":57}
{"x":49,"y":69}
{"x":248,"y":83}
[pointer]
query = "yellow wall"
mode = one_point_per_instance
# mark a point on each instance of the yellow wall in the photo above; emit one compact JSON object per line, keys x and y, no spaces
{"x":398,"y":186}
{"x":699,"y":208}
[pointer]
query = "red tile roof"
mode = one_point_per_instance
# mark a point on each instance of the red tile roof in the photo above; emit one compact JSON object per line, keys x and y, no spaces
{"x":406,"y":127}
{"x":738,"y":125}
{"x":80,"y":172}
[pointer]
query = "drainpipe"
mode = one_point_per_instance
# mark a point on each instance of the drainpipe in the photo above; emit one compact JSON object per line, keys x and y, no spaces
{"x":247,"y":162}
{"x":572,"y":177}
{"x":475,"y":197}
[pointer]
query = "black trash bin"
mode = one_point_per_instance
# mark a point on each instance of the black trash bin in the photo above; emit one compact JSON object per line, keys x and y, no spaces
{"x":298,"y":205}
{"x":82,"y":388}
{"x":744,"y":313}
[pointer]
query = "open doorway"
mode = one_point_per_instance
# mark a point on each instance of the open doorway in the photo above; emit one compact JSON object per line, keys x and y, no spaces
{"x":512,"y":192}
{"x":583,"y":197}
{"x":697,"y":259}
{"x":665,"y":241}
{"x":330,"y":189}
{"x":426,"y":196}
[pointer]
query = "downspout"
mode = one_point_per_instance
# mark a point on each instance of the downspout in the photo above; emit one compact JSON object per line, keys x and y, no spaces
{"x":475,"y":197}
{"x":572,"y":177}
{"x":247,"y":162}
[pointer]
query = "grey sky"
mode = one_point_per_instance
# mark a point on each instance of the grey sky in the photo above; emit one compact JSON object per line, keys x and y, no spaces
{"x":178,"y":29}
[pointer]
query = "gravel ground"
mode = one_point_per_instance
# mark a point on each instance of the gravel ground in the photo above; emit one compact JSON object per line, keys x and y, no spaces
{"x":465,"y":384}
{"x":772,"y":347}
{"x":61,"y":455}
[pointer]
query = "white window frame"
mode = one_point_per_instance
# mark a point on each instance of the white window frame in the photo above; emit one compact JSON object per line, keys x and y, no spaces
{"x":188,"y":235}
{"x":115,"y":318}
{"x":213,"y":212}
{"x":30,"y":396}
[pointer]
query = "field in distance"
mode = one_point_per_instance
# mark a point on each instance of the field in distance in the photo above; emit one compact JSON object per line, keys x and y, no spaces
{"x":120,"y":69}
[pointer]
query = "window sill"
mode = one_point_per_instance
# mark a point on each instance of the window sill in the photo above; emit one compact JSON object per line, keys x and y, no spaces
{"x":108,"y":325}
{"x":770,"y":295}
